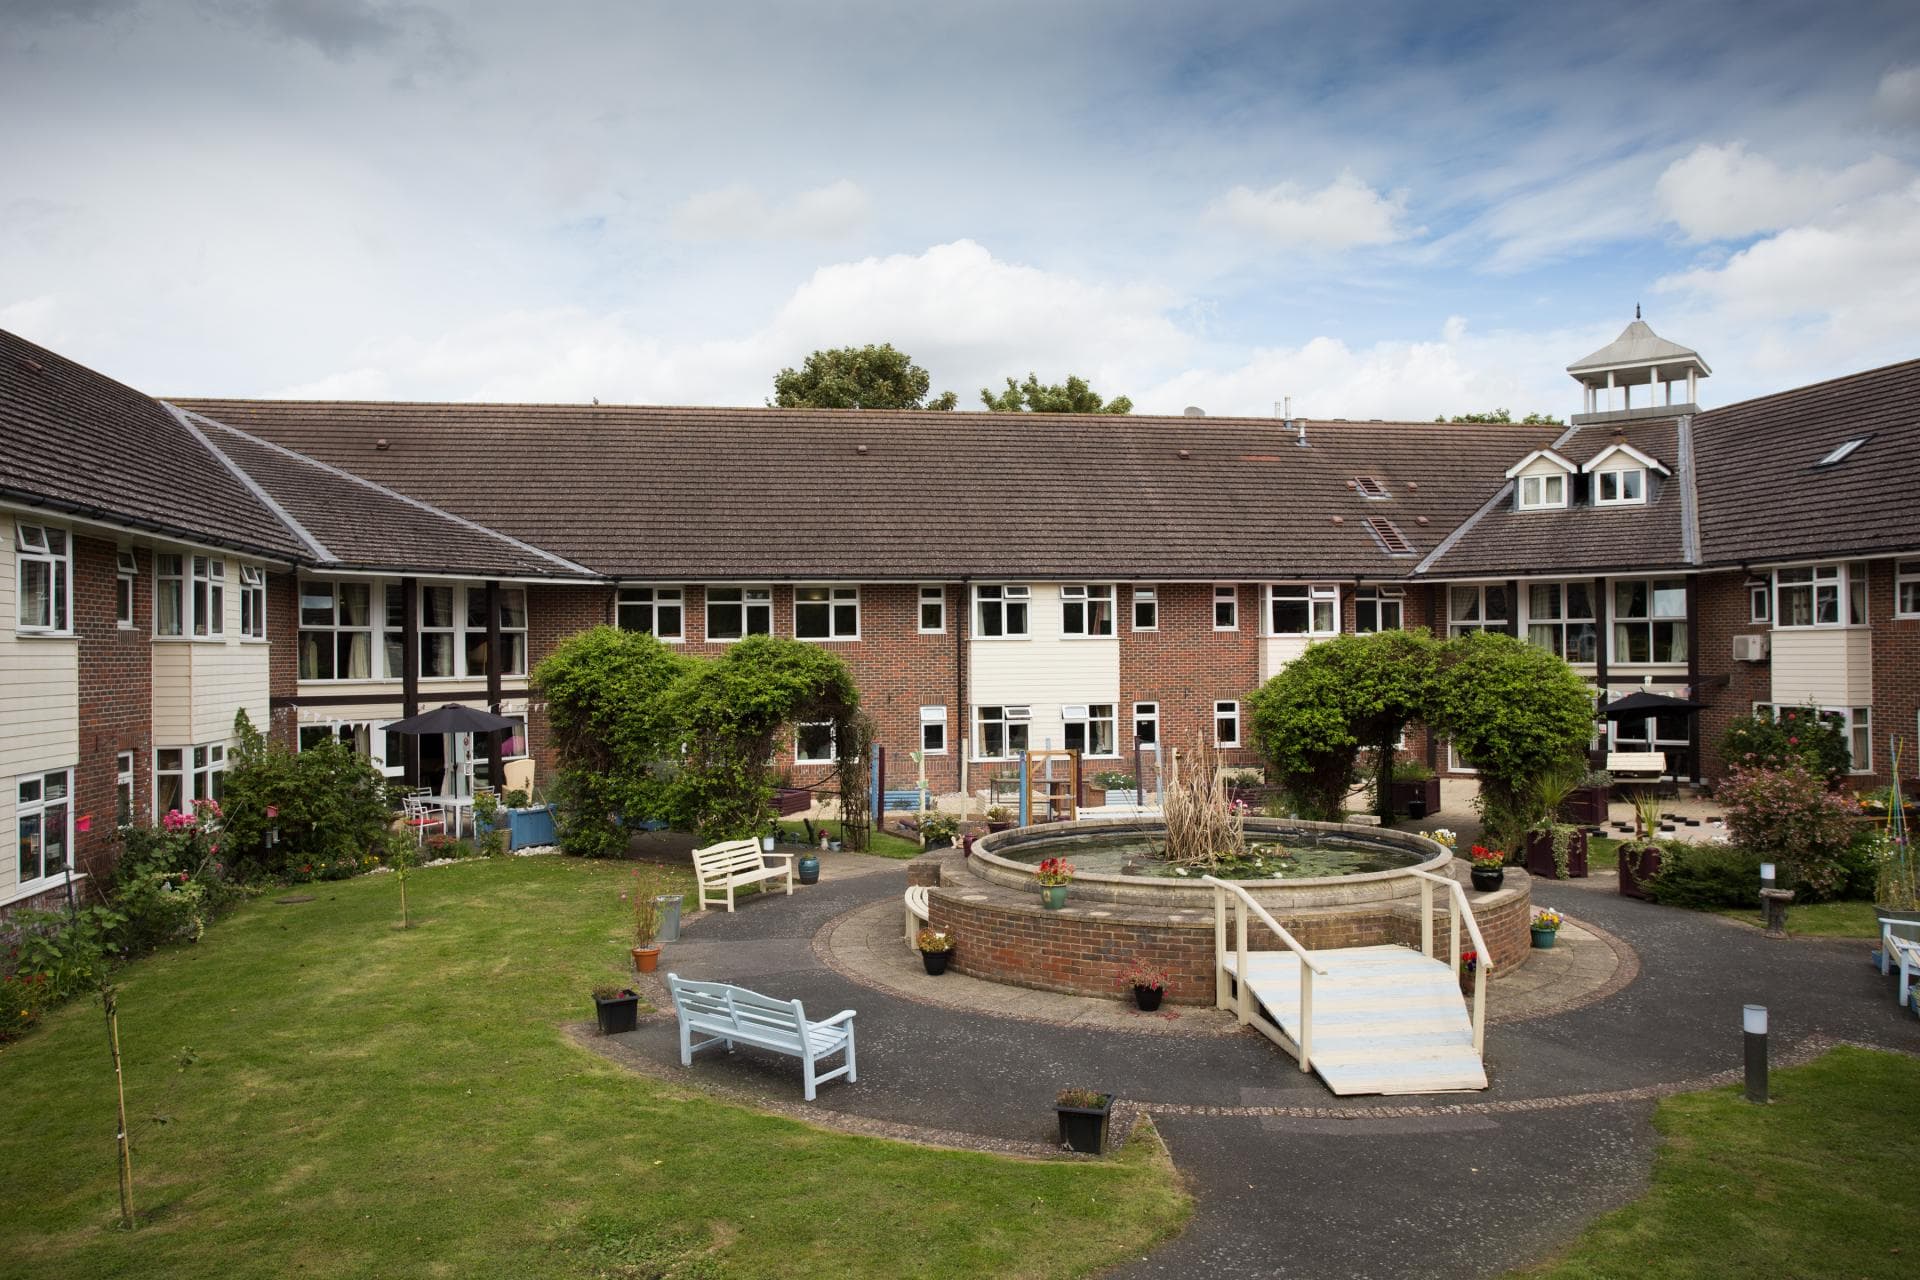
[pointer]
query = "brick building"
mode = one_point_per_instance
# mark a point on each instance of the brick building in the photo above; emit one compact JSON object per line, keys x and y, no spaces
{"x":995,"y":582}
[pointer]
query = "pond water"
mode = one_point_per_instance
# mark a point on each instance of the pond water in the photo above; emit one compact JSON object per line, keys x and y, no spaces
{"x":1291,"y":855}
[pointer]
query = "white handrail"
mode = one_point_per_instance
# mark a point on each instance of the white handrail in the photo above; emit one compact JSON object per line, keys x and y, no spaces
{"x":1458,"y":908}
{"x":1243,"y":1006}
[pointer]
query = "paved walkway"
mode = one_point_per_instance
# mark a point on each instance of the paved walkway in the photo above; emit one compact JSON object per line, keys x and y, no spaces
{"x":1291,"y":1180}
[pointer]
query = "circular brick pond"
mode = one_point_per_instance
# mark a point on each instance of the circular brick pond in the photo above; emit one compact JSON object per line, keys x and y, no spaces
{"x":987,"y":900}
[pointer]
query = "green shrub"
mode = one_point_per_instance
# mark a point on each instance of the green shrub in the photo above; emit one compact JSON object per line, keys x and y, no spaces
{"x":1788,"y":817}
{"x":1763,"y":741}
{"x":1703,"y":876}
{"x":325,"y":807}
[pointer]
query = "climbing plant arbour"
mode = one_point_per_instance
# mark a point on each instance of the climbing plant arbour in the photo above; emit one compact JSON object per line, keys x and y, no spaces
{"x":729,"y":712}
{"x":1342,"y":696}
{"x":608,"y":707}
{"x":1513,"y":711}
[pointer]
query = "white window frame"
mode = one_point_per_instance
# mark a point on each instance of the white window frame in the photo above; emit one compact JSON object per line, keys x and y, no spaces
{"x":753,"y":603}
{"x":1619,"y":621}
{"x":1906,"y":589}
{"x":170,"y":570}
{"x":513,"y":639}
{"x":41,"y":807}
{"x":1083,"y":601}
{"x":1543,"y":492}
{"x":1229,"y":595}
{"x":202,"y":772}
{"x":929,"y":718}
{"x":1820,"y":583}
{"x":1150,"y":597}
{"x":1620,"y":477}
{"x":1558,"y":624}
{"x":309,"y":589}
{"x":51,"y":548}
{"x":1383,"y":600}
{"x":253,"y":602}
{"x":1086,"y":719}
{"x":836,"y":600}
{"x":209,"y":597}
{"x":1459,"y":624}
{"x":651,"y":605}
{"x":1321,"y":599}
{"x":999,"y":600}
{"x":1225,"y":711}
{"x":1009,"y":717}
{"x":126,"y":572}
{"x":1146,"y":713}
{"x":833,"y":742}
{"x":934,"y":597}
{"x":123,"y":789}
{"x":1760,"y":603}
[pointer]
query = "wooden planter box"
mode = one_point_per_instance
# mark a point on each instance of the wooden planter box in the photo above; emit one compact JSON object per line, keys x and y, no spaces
{"x":788,"y":801}
{"x":1403,"y":794}
{"x":1540,"y":856}
{"x":1586,"y":807}
{"x":1638,"y":865}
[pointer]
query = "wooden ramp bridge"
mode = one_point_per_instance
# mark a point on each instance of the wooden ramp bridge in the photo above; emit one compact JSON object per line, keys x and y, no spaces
{"x":1381,"y":1019}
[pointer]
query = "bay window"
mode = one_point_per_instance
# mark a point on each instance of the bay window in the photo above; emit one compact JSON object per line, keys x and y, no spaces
{"x":1807,"y":597}
{"x":1560,"y":620}
{"x":253,"y":602}
{"x":826,"y":613}
{"x":657,"y":611}
{"x":209,"y":596}
{"x":734,"y":613}
{"x":1001,"y":611}
{"x":1650,"y":622}
{"x":1302,"y":610}
{"x":336,"y":631}
{"x":43,"y":817}
{"x":43,"y":566}
{"x":1086,"y":611}
{"x":169,"y":594}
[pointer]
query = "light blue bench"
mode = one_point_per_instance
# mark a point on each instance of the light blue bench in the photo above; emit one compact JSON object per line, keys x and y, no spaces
{"x":725,"y":1014}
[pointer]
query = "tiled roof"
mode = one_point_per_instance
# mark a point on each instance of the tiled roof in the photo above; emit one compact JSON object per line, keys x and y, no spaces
{"x":1763,"y":496}
{"x":669,"y":493}
{"x":359,"y":524}
{"x":86,"y":445}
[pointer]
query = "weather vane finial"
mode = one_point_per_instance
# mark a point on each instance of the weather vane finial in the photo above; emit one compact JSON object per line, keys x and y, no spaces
{"x":1636,"y":311}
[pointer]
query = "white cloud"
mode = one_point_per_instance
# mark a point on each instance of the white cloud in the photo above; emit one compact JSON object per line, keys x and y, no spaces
{"x":1898,"y":95}
{"x":1344,"y":214}
{"x":1727,"y":192}
{"x":743,"y":213}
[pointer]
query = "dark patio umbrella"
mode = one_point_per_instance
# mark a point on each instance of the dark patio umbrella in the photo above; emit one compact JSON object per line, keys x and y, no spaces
{"x":1640,"y":705}
{"x":451,"y":719}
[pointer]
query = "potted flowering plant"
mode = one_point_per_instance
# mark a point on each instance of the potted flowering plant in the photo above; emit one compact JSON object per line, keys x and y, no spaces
{"x":1053,"y":876}
{"x":999,"y":818}
{"x":1083,"y":1115}
{"x":936,"y":950}
{"x":1149,"y":985}
{"x":1469,"y":964}
{"x":616,"y":1008}
{"x":939,"y":830}
{"x":1489,"y":868}
{"x":1546,"y":927}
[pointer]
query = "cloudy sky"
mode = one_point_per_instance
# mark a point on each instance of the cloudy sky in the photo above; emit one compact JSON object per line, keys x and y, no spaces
{"x":1378,"y":209}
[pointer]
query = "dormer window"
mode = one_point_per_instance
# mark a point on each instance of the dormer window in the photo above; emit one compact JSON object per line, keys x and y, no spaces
{"x":1621,"y":487}
{"x":1541,"y":492}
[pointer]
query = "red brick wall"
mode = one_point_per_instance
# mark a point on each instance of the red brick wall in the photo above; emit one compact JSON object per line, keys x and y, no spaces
{"x":283,"y":655}
{"x":1896,"y":679}
{"x":1186,"y":666}
{"x":554,"y":613}
{"x":116,"y":695}
{"x":1729,"y":688}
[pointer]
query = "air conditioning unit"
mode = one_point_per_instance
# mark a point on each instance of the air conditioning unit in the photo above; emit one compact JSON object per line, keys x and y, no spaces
{"x":1752,"y":648}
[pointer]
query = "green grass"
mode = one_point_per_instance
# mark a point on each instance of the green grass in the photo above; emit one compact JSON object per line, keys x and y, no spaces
{"x":313,"y":1091}
{"x":1818,"y":919}
{"x":883,"y":843}
{"x":1820,"y":1183}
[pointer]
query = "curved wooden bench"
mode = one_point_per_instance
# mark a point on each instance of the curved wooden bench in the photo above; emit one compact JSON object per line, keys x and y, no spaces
{"x":916,"y":903}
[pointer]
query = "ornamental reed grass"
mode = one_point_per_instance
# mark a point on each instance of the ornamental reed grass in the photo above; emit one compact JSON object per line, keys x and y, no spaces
{"x":644,"y":888}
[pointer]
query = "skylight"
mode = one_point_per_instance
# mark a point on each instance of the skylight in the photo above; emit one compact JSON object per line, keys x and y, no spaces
{"x":1842,"y":453}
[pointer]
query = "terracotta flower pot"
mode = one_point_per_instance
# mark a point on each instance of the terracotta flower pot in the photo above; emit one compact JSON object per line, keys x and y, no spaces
{"x":646,"y":959}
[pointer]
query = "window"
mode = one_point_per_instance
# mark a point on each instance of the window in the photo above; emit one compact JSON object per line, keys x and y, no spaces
{"x":1842,"y":453}
{"x":123,"y":789}
{"x":1472,"y":608}
{"x":1650,"y":621}
{"x":1002,"y":611}
{"x":1906,"y":589}
{"x":814,"y":743}
{"x":1086,"y":611}
{"x":1860,"y":738}
{"x":1226,"y":608}
{"x":826,"y":613}
{"x":44,"y":574}
{"x":438,"y":632}
{"x":169,"y":594}
{"x":1303,"y":610}
{"x":44,"y":813}
{"x":1620,"y":487}
{"x":1146,"y":724}
{"x":182,"y":775}
{"x":1226,"y":724}
{"x":512,"y":604}
{"x":1540,"y":492}
{"x":933,"y":610}
{"x":1002,"y":732}
{"x":1090,"y":729}
{"x":1560,"y":620}
{"x":658,"y":611}
{"x":1379,"y":609}
{"x":1807,"y":597}
{"x":736,"y":612}
{"x":933,"y":731}
{"x":253,"y":602}
{"x":355,"y":735}
{"x":1759,"y":602}
{"x":1146,"y":609}
{"x":393,"y":642}
{"x":1857,"y":594}
{"x":336,"y":630}
{"x":209,"y":596}
{"x":126,"y":570}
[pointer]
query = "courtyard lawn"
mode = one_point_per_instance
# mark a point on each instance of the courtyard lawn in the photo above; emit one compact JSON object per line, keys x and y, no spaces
{"x":1818,"y":919}
{"x":314,"y":1091}
{"x":884,"y":844}
{"x":1817,"y":1184}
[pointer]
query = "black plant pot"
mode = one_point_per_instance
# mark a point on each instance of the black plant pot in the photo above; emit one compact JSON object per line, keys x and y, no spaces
{"x":1084,"y":1129}
{"x":622,"y":1013}
{"x":1148,"y":998}
{"x":1487,"y":879}
{"x":935,"y":961}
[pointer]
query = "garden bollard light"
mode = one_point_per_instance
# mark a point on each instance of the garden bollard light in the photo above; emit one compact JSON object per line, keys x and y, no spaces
{"x":1766,"y":876}
{"x":1753,"y":1020}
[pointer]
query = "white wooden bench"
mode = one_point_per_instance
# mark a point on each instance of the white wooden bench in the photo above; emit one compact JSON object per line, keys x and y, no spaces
{"x":1904,"y":952}
{"x":725,"y":1014}
{"x":722,"y":868}
{"x":1636,"y":766}
{"x":916,"y":903}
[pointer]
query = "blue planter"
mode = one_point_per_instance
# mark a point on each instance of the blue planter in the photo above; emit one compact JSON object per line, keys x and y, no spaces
{"x":529,"y":827}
